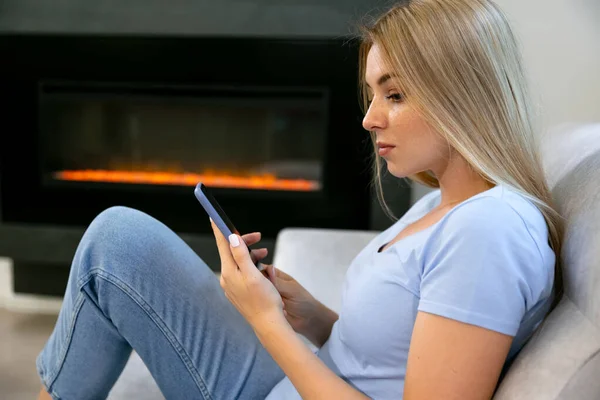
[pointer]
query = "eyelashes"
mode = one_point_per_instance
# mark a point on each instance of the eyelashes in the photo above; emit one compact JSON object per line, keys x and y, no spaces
{"x":397,"y":97}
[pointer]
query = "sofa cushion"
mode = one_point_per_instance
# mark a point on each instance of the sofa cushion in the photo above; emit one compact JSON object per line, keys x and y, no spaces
{"x":552,"y":358}
{"x":318,"y":259}
{"x":560,"y":358}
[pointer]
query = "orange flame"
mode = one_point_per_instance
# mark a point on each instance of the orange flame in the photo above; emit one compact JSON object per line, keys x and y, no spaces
{"x":215,"y":179}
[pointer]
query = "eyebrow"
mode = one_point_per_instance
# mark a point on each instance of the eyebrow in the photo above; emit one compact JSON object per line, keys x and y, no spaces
{"x":383,"y":79}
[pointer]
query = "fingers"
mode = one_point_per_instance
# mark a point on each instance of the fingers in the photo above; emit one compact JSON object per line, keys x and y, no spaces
{"x":284,"y":283}
{"x":270,"y":269}
{"x":282,"y":275}
{"x":241,"y":255}
{"x":251,"y":238}
{"x":258,"y":254}
{"x":265,"y":273}
{"x":227,"y":260}
{"x":266,"y":270}
{"x":273,"y":274}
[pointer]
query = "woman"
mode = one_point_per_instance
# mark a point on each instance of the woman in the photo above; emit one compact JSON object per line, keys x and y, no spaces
{"x":433,"y":308}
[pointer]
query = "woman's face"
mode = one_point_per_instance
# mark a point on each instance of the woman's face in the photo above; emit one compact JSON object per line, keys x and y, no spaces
{"x":407,"y":143}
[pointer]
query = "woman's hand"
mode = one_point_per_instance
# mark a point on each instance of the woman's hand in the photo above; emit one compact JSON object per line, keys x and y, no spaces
{"x":305,"y":314}
{"x":244,"y":285}
{"x":260,"y":303}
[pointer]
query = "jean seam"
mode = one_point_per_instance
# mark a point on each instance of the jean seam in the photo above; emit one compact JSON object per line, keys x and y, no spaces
{"x":158,"y":321}
{"x":51,"y":392}
{"x":53,"y":372}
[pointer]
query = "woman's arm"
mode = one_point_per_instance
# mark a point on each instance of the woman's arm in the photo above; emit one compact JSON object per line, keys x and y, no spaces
{"x":321,"y":324}
{"x":307,"y":315}
{"x":311,"y":377}
{"x":451,"y":360}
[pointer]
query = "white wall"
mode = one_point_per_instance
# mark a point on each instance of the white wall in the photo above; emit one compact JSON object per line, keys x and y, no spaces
{"x":561,"y":47}
{"x":560,"y":41}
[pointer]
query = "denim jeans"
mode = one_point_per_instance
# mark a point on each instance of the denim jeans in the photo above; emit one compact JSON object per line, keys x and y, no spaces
{"x":134,"y":284}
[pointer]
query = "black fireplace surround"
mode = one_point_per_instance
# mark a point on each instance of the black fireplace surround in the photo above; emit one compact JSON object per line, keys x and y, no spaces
{"x":42,"y":219}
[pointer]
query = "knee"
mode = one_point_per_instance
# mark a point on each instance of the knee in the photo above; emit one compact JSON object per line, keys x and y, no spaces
{"x":129,"y":247}
{"x":119,"y":218}
{"x":119,"y":237}
{"x":120,"y":225}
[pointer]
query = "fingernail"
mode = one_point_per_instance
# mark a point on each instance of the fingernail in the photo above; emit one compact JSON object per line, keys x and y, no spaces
{"x":233,"y":240}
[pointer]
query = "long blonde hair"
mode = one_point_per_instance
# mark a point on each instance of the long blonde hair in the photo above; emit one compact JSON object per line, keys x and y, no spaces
{"x":461,"y":69}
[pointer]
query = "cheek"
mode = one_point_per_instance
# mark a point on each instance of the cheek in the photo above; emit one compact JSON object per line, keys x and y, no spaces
{"x":410,"y":130}
{"x":418,"y":147}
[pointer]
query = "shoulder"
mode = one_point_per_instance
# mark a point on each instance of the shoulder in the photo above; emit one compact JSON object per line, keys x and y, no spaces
{"x":496,"y":215}
{"x":488,"y":261}
{"x":494,"y":227}
{"x":497,"y":232}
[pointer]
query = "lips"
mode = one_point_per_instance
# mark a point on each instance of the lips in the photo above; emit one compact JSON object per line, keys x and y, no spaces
{"x":384,"y":148}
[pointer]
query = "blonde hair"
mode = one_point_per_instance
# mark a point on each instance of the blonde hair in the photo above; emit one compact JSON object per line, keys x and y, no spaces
{"x":461,"y":69}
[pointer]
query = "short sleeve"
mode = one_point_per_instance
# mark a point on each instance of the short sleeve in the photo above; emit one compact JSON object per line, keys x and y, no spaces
{"x":480,"y":265}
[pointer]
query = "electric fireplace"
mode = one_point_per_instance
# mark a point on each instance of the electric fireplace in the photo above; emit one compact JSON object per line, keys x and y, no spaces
{"x":261,"y":139}
{"x":271,"y":125}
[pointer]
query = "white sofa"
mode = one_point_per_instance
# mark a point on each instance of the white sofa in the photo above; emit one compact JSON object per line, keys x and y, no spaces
{"x":561,"y":361}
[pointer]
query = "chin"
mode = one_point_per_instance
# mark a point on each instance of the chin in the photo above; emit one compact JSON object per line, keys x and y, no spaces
{"x":396,"y":170}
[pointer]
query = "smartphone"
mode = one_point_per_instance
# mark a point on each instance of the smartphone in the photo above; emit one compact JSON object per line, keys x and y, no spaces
{"x":216,"y":213}
{"x":214,"y":210}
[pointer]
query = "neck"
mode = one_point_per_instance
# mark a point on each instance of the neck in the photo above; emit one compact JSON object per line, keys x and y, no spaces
{"x":458,"y":181}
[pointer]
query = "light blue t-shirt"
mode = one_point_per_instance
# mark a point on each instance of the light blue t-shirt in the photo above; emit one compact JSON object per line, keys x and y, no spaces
{"x":487,"y":262}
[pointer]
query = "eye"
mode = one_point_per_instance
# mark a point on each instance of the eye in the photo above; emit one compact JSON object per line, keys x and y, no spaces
{"x":396,"y":97}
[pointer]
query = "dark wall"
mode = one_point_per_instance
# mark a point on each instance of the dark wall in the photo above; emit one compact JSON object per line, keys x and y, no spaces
{"x":279,"y":18}
{"x":220,"y":17}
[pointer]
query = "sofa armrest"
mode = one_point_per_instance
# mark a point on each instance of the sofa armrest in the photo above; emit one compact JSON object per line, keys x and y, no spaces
{"x":318,"y":259}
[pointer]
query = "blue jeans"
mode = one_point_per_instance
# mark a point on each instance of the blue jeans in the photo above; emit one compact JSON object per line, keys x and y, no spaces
{"x":134,"y":284}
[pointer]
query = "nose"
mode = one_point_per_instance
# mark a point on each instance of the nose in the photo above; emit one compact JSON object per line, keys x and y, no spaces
{"x":375,"y":118}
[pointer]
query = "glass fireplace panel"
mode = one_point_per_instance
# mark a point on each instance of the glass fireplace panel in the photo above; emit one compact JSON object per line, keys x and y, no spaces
{"x":243,"y":138}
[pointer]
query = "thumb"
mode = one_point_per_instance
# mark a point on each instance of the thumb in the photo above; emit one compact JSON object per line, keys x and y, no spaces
{"x":270,"y":270}
{"x":241,"y":254}
{"x":282,"y":275}
{"x":282,"y":281}
{"x":271,"y":274}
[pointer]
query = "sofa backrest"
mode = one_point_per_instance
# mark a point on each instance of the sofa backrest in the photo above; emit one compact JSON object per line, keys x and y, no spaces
{"x":562,"y":359}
